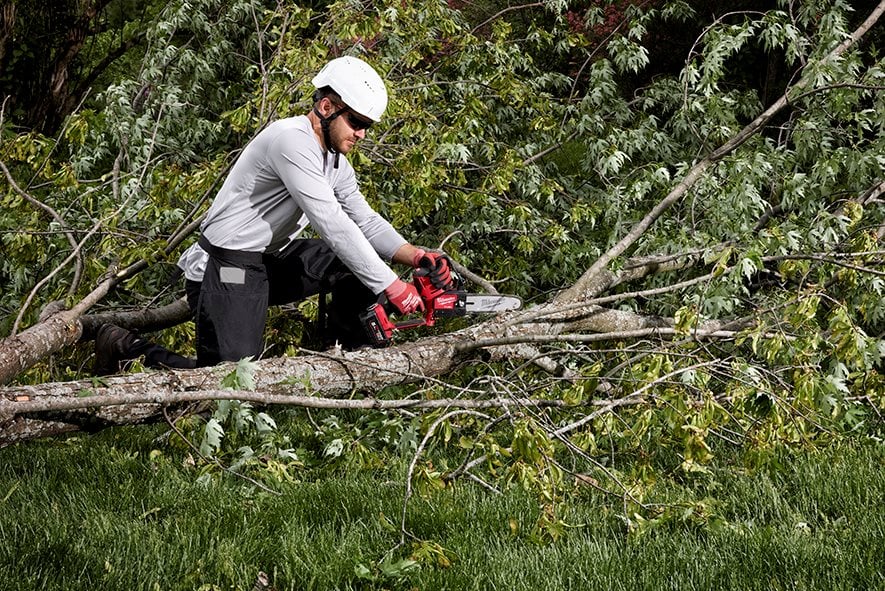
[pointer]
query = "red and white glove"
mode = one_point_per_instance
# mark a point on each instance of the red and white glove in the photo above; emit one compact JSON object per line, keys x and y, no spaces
{"x":404,"y":297}
{"x":439,"y":268}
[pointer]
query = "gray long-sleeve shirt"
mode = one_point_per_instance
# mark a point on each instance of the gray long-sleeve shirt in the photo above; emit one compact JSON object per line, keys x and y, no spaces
{"x":282,"y":182}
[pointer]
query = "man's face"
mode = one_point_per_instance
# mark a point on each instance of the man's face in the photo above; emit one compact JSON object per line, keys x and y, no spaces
{"x":347,"y":129}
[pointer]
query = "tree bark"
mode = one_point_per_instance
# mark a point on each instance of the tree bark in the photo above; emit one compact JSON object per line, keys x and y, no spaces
{"x":7,"y":26}
{"x":146,"y":320}
{"x":137,"y":398}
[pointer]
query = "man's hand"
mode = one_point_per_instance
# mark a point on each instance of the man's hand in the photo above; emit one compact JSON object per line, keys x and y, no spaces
{"x":404,"y":297}
{"x":439,"y":268}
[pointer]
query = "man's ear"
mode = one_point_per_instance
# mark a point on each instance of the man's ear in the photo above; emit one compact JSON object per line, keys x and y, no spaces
{"x":326,"y":106}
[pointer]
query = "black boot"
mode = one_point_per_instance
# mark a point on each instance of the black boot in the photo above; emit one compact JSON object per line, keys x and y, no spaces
{"x":113,"y":345}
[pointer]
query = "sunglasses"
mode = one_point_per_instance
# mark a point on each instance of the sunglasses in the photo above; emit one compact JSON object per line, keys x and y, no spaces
{"x":357,"y":123}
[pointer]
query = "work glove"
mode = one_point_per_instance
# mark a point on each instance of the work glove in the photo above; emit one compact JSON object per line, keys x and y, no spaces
{"x":438,"y":266}
{"x":404,"y":297}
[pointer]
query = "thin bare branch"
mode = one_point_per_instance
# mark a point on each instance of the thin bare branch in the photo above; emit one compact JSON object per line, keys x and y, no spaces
{"x":504,"y":11}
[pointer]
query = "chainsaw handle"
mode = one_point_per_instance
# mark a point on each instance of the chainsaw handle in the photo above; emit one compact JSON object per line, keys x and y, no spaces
{"x":390,"y":310}
{"x":376,"y":319}
{"x":378,"y":326}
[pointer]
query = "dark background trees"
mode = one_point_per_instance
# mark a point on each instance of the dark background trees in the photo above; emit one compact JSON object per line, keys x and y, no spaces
{"x":53,"y":53}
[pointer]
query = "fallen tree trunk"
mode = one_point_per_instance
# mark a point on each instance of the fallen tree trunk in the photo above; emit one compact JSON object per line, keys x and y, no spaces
{"x":57,"y":408}
{"x":21,"y":351}
{"x":138,"y":398}
{"x":148,"y":320}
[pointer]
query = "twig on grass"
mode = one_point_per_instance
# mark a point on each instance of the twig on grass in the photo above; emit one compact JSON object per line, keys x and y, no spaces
{"x":414,"y":462}
{"x":215,"y":461}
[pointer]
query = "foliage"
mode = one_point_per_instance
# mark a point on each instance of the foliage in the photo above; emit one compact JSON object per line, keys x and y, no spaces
{"x":472,"y":109}
{"x":237,"y":434}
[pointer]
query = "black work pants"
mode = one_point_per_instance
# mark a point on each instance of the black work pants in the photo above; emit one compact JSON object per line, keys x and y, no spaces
{"x":230,"y":305}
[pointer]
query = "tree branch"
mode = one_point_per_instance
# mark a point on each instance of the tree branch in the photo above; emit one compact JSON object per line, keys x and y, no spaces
{"x":504,"y":11}
{"x":577,"y":291}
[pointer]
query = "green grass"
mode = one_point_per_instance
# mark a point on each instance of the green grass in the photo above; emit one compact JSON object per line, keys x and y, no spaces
{"x":96,"y":513}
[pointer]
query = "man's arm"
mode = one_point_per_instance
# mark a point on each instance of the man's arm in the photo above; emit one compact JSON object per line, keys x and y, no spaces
{"x":301,"y":171}
{"x":407,"y":255}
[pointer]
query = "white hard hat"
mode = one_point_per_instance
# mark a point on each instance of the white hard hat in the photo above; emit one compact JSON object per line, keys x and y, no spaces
{"x":357,"y":83}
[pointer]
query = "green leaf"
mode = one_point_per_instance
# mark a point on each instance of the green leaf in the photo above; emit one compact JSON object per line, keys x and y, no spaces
{"x":242,"y":377}
{"x":213,"y":433}
{"x":398,"y":568}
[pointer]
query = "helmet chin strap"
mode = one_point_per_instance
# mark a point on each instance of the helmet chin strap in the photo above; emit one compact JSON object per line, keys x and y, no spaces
{"x":327,"y":136}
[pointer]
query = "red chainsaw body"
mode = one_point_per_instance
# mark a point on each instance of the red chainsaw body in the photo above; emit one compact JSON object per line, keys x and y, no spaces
{"x":438,"y":303}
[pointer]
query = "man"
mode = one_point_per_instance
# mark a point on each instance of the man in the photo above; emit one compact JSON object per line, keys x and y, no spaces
{"x":249,"y":254}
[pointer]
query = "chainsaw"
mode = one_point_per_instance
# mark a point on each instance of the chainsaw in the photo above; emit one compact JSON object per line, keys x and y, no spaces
{"x":438,"y":303}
